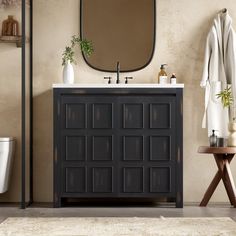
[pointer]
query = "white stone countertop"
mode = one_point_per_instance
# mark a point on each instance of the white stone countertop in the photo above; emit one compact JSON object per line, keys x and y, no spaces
{"x":118,"y":85}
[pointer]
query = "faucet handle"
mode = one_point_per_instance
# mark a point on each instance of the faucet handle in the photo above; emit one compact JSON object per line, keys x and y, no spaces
{"x":127,"y":78}
{"x":109,"y":79}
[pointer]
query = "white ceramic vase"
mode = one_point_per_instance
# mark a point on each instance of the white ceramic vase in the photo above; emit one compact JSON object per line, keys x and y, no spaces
{"x":68,"y":73}
{"x":232,"y":134}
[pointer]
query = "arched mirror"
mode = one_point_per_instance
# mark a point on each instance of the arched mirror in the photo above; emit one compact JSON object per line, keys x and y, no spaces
{"x":120,"y":30}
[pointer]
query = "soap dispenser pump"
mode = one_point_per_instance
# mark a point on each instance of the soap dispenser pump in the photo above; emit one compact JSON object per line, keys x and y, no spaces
{"x":213,"y":139}
{"x":162,"y":76}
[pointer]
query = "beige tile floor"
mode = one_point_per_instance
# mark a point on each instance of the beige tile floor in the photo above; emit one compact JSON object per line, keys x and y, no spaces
{"x":46,"y":210}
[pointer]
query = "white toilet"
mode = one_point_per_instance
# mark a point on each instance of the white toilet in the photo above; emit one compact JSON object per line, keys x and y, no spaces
{"x":7,"y":147}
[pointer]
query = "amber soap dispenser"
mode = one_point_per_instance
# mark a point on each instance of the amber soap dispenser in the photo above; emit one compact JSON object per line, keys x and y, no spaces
{"x":162,"y":76}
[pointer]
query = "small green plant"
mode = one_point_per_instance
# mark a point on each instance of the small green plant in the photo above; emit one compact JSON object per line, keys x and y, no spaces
{"x":85,"y":46}
{"x":68,"y":55}
{"x":226,"y":97}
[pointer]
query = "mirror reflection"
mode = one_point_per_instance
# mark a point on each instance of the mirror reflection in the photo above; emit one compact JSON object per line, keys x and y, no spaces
{"x":120,"y":30}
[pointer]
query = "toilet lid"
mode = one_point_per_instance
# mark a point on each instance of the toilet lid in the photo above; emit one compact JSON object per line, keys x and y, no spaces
{"x":6,"y":139}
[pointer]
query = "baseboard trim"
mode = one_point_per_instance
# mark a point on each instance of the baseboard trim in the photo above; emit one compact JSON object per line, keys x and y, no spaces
{"x":50,"y":204}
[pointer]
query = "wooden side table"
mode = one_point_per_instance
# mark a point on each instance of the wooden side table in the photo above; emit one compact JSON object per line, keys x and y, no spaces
{"x":223,"y":156}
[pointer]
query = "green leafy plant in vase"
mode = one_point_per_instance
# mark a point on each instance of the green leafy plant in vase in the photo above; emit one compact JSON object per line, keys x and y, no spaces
{"x":68,"y":57}
{"x":227,"y":101}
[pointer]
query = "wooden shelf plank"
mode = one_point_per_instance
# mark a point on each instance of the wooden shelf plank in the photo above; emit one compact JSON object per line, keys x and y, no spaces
{"x":12,"y":39}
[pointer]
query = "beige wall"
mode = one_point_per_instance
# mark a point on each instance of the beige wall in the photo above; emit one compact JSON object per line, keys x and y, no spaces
{"x":10,"y":103}
{"x":181,"y":32}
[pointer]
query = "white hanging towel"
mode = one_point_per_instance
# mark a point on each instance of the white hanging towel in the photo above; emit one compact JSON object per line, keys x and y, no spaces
{"x":219,"y":70}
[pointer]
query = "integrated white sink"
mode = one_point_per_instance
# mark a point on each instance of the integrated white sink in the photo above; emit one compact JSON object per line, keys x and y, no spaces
{"x":118,"y":85}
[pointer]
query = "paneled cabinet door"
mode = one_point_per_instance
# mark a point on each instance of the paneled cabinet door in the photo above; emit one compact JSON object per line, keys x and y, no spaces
{"x":147,"y":129}
{"x":88,"y":145}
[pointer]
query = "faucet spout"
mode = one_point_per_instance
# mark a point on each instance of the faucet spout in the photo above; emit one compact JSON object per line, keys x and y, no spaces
{"x":118,"y":72}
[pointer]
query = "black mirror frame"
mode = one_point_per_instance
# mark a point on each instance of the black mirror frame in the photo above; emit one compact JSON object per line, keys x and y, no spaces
{"x":113,"y":71}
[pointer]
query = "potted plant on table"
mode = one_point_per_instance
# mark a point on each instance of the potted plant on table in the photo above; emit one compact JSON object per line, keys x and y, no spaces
{"x":68,"y":57}
{"x":227,"y":102}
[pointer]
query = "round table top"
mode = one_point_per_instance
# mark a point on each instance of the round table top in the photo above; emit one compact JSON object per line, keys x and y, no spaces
{"x":217,"y":150}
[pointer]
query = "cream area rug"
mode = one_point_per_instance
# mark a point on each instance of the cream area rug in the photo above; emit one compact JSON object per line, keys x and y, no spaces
{"x":113,"y":226}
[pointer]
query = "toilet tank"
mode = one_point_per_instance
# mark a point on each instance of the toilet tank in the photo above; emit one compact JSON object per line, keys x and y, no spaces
{"x":7,"y":148}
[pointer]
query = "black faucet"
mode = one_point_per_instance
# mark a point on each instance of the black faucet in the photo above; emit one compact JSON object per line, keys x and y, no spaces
{"x":118,"y":72}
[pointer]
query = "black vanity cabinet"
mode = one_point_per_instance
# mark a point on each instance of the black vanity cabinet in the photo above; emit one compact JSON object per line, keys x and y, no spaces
{"x":118,"y":143}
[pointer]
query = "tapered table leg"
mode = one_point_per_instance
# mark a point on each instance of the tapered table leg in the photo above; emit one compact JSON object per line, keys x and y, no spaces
{"x":222,"y":162}
{"x":215,"y":182}
{"x":211,"y":189}
{"x":220,"y":159}
{"x":223,"y":157}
